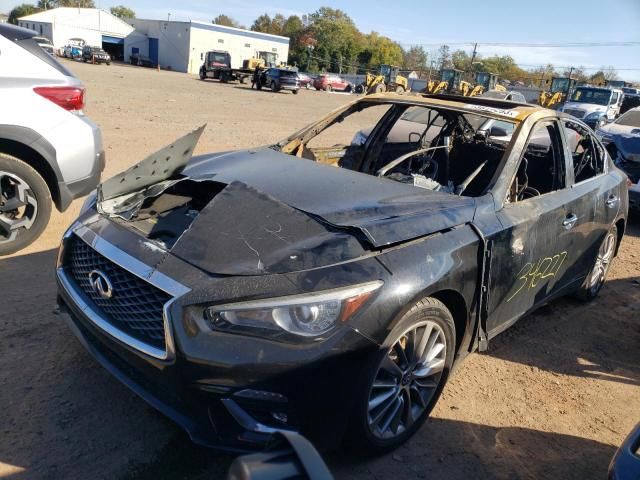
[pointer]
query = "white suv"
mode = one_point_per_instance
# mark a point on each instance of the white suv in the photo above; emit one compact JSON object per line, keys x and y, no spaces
{"x":50,"y":152}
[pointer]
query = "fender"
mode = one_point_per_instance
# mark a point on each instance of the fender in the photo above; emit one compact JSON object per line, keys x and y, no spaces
{"x":33,"y":140}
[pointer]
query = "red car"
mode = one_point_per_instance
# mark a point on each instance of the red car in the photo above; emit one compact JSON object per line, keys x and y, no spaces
{"x":329,"y":82}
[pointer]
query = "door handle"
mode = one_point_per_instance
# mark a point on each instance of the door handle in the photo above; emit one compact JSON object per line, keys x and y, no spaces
{"x":612,"y":201}
{"x":570,"y":221}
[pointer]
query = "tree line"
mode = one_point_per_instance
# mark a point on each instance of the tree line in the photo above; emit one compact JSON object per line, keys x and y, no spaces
{"x":328,"y":40}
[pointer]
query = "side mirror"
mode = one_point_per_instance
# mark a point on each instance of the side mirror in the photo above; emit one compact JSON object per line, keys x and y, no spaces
{"x":295,"y":457}
{"x":497,"y":132}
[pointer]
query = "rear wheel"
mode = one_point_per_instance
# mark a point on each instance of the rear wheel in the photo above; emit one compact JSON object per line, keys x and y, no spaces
{"x":295,"y":92}
{"x":598,"y":274}
{"x":399,"y":89}
{"x":203,"y":75}
{"x":25,"y":204}
{"x":274,"y":87}
{"x":404,"y":379}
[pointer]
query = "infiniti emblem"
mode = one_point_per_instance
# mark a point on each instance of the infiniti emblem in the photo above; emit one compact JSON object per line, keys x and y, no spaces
{"x":101,"y":284}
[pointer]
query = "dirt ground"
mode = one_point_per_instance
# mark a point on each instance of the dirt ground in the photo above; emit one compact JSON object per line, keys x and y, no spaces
{"x":552,"y":398}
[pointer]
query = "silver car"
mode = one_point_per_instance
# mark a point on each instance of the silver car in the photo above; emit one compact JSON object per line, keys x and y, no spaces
{"x":50,"y":152}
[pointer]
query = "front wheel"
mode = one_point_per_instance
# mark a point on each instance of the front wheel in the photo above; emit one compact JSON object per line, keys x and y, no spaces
{"x":295,"y":92}
{"x":598,"y":274}
{"x":274,"y":87}
{"x":404,"y":379}
{"x":25,"y":204}
{"x":203,"y":75}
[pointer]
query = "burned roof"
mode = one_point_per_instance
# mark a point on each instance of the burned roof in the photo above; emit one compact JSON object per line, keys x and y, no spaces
{"x":512,"y":111}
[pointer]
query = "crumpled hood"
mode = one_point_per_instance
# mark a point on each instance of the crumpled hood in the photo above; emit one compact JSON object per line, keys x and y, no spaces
{"x":282,"y":214}
{"x":267,"y":212}
{"x":385,"y":211}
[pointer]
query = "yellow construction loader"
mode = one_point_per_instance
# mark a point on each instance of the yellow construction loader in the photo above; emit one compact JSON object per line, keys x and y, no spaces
{"x":560,"y":89}
{"x":389,"y":80}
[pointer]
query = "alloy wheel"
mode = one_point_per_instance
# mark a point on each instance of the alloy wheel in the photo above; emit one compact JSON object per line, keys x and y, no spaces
{"x":18,"y":206}
{"x":603,"y":261}
{"x":407,"y":380}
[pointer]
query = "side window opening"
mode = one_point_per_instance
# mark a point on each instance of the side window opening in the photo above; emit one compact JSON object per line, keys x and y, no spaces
{"x":541,"y":168}
{"x":586,"y":153}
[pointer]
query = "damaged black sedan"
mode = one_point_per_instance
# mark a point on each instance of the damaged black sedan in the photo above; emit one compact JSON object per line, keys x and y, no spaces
{"x":330,"y":282}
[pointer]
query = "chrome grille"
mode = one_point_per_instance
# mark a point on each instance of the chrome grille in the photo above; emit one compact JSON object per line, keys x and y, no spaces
{"x":135,"y":308}
{"x":575,"y":112}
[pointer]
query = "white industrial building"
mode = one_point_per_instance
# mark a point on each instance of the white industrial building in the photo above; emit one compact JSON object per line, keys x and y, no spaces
{"x":96,"y":27}
{"x":181,"y":46}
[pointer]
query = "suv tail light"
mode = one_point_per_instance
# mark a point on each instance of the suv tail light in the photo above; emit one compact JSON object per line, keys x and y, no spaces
{"x":69,"y":98}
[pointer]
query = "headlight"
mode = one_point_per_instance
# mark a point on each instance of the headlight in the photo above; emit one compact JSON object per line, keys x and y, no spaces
{"x":89,"y":202}
{"x":307,"y":315}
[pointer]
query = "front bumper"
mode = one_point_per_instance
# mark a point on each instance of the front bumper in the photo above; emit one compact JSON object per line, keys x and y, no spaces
{"x":217,"y":400}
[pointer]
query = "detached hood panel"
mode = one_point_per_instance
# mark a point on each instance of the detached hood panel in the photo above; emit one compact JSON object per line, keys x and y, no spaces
{"x":384,"y":211}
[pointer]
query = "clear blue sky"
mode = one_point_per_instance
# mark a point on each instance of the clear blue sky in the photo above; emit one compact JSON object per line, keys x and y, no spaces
{"x":430,"y":22}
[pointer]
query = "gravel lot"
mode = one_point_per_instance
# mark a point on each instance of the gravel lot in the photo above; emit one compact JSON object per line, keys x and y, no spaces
{"x":551,"y":399}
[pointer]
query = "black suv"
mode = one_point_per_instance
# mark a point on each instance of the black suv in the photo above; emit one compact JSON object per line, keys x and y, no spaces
{"x":95,"y":55}
{"x":279,"y":79}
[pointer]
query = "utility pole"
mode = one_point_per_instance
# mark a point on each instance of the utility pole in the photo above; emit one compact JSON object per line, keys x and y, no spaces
{"x":168,"y":17}
{"x":473,"y":56}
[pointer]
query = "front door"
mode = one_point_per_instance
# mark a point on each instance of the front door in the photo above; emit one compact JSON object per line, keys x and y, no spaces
{"x":531,"y":254}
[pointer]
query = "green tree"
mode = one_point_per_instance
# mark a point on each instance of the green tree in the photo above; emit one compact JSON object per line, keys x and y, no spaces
{"x":444,"y":57}
{"x":22,"y":11}
{"x":227,"y":21}
{"x":383,"y":50}
{"x":262,"y":24}
{"x":461,"y":60}
{"x":121,"y":11}
{"x":415,"y":58}
{"x":338,"y":41}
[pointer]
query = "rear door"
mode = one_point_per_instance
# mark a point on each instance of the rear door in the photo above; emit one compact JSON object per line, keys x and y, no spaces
{"x":595,"y":193}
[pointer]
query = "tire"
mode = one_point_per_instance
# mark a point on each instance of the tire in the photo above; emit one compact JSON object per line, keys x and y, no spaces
{"x":598,"y":273}
{"x":378,"y":88}
{"x":203,"y":75}
{"x":19,"y":181}
{"x":274,"y":88}
{"x":295,"y":92}
{"x":328,"y":88}
{"x":360,"y":89}
{"x":348,"y":89}
{"x":242,"y":79}
{"x":400,"y":89}
{"x":431,"y":325}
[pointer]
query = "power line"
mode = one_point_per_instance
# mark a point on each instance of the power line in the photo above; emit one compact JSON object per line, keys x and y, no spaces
{"x":629,"y":43}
